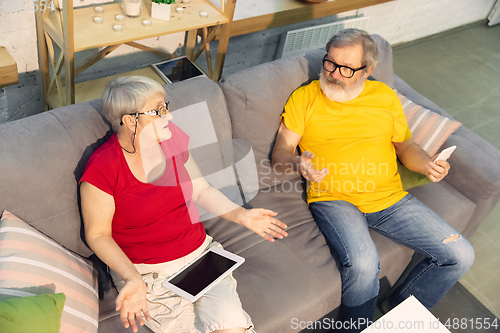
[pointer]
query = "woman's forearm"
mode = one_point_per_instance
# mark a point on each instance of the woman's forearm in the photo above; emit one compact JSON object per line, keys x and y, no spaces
{"x":112,"y":255}
{"x":216,"y":203}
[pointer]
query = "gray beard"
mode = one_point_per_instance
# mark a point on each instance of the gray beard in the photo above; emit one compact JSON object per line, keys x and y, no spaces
{"x":336,"y":90}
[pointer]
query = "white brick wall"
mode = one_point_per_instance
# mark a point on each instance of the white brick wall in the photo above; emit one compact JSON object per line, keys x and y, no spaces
{"x":397,"y":21}
{"x":407,"y":20}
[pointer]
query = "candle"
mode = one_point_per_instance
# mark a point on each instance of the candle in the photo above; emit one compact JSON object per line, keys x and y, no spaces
{"x":179,"y":10}
{"x":98,"y":20}
{"x":204,"y":15}
{"x":147,"y":23}
{"x":119,"y":18}
{"x":117,"y":28}
{"x":98,"y":10}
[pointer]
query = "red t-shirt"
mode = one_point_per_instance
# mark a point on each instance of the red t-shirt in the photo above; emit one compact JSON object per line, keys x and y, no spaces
{"x":153,"y":222}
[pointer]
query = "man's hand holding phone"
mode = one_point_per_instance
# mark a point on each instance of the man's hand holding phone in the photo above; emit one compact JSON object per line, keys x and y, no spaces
{"x":438,"y":168}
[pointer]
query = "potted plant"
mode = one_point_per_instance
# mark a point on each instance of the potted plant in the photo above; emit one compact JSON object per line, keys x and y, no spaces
{"x":160,"y":9}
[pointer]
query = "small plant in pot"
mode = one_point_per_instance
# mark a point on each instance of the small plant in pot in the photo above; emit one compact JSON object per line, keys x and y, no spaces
{"x":160,"y":9}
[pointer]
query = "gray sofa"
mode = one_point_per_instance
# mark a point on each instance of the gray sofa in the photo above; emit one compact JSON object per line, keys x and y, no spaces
{"x":281,"y":284}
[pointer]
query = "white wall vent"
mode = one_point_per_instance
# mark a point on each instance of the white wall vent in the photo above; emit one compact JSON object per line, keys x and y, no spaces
{"x":311,"y":38}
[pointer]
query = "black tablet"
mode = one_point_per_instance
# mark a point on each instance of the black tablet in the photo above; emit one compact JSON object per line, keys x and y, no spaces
{"x":178,"y":69}
{"x":199,"y":276}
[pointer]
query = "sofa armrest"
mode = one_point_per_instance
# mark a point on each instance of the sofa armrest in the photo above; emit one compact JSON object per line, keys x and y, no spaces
{"x":474,"y":172}
{"x":475,"y":164}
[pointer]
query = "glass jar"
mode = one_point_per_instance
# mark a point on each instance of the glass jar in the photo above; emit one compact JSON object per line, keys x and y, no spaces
{"x":132,"y":8}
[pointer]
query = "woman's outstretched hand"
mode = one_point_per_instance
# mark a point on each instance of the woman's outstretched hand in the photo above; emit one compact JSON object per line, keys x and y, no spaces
{"x":132,"y":302}
{"x":262,"y":222}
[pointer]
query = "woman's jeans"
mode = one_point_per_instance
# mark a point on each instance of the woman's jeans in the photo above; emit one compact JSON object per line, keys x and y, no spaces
{"x":408,"y":222}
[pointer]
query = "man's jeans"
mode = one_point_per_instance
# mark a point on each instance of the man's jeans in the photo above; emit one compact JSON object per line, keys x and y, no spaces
{"x":408,"y":222}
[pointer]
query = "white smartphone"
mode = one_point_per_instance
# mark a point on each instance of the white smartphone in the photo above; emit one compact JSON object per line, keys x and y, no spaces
{"x":443,"y":156}
{"x":199,"y":276}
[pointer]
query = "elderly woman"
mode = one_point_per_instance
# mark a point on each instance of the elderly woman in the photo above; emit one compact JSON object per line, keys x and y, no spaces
{"x":138,"y":195}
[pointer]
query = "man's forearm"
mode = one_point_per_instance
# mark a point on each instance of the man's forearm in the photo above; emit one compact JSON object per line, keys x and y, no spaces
{"x":415,"y":159}
{"x":285,"y":162}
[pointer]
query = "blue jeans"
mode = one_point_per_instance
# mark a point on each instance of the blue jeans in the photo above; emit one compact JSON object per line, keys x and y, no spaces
{"x":408,"y":222}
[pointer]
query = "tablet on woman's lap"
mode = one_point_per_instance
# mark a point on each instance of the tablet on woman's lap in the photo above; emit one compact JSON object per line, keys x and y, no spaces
{"x":194,"y":280}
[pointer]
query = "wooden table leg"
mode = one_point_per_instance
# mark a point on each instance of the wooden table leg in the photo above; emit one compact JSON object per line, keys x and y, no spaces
{"x":43,"y":60}
{"x":190,"y":43}
{"x":69,"y":55}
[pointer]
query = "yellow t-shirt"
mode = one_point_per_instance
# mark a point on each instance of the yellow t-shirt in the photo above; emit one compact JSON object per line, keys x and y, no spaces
{"x":354,"y":141}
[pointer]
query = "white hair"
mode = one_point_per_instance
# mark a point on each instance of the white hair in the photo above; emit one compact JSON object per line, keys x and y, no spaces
{"x":127,"y":94}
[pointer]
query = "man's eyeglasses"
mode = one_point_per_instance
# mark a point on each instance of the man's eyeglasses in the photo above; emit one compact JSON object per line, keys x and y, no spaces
{"x":161,"y":112}
{"x":345,"y":71}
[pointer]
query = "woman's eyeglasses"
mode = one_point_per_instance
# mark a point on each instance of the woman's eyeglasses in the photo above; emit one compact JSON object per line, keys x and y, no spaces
{"x":161,"y":112}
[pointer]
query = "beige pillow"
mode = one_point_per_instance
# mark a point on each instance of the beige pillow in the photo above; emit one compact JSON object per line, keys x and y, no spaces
{"x":429,"y":129}
{"x":32,"y":263}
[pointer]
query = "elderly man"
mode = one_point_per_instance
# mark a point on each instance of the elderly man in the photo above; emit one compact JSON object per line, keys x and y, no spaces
{"x":350,"y":131}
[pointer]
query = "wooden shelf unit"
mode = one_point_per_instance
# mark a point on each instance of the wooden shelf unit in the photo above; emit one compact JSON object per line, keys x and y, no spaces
{"x":8,"y":69}
{"x":73,"y":30}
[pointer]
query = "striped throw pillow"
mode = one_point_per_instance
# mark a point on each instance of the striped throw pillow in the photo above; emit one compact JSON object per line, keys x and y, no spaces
{"x":429,"y":130}
{"x":33,"y":264}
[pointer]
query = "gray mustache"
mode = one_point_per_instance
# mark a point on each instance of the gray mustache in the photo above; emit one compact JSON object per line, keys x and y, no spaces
{"x":330,"y":79}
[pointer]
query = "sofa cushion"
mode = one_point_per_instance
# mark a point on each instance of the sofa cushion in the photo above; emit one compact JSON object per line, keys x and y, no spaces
{"x":27,"y":314}
{"x":447,"y":202}
{"x":31,"y":262}
{"x":210,"y":155}
{"x":429,"y":129}
{"x":255,"y":108}
{"x":43,"y":157}
{"x":383,"y":72}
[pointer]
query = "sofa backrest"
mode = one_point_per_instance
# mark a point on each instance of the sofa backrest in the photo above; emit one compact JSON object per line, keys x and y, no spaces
{"x":210,"y":143}
{"x":42,"y":158}
{"x":256,"y":97}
